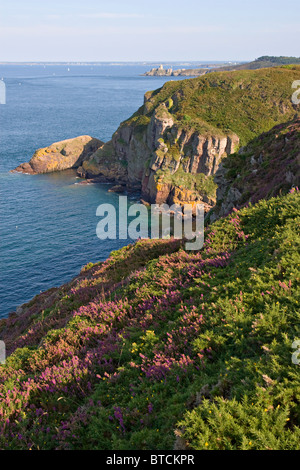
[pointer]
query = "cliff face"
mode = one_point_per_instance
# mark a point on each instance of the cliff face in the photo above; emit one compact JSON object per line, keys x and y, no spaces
{"x":173,"y":145}
{"x":175,"y":153}
{"x":61,"y":155}
{"x":157,"y":156}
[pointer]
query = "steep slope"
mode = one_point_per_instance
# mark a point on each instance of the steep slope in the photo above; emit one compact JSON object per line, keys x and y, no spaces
{"x":267,"y":166}
{"x":158,"y":348}
{"x":174,"y":144}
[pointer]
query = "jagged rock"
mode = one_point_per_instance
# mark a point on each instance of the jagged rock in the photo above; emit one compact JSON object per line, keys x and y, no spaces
{"x":137,"y":155}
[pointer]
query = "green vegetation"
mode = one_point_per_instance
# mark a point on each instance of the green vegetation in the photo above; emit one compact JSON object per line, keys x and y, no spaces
{"x":197,"y":182}
{"x":281,"y":60}
{"x":268,"y":165}
{"x":194,"y":118}
{"x":158,"y":345}
{"x":244,"y":102}
{"x":141,"y":123}
{"x":173,"y":151}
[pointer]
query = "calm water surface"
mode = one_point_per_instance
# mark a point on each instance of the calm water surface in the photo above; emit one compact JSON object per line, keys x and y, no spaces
{"x":48,"y":222}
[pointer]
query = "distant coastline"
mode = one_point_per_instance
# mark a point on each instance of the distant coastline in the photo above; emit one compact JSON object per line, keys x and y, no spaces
{"x":260,"y":63}
{"x":116,"y":63}
{"x":188,"y":72}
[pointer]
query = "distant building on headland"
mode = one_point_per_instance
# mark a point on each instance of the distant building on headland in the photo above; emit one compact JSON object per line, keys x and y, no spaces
{"x":160,"y":71}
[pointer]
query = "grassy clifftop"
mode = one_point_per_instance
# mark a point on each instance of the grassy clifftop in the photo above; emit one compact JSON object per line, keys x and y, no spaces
{"x":246,"y":102}
{"x":187,"y":127}
{"x":159,"y":348}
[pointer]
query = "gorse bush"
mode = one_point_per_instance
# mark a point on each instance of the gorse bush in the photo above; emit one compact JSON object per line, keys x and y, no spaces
{"x":158,"y":347}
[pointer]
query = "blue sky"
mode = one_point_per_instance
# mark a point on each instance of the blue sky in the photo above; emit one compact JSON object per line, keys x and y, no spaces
{"x":152,"y":30}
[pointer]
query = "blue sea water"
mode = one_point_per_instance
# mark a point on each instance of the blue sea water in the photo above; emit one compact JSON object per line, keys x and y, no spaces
{"x":48,"y":222}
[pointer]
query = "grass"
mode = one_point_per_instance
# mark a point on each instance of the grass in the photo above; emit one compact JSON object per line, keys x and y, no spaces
{"x":242,"y":104}
{"x":159,"y":347}
{"x":197,"y":182}
{"x":245,"y":102}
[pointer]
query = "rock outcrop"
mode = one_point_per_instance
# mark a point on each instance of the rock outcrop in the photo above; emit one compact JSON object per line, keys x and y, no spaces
{"x":151,"y":156}
{"x":169,"y":72}
{"x":61,"y":155}
{"x":172,"y":147}
{"x":159,"y":72}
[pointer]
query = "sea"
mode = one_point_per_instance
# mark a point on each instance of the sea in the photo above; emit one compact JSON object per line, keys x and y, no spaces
{"x":48,"y":222}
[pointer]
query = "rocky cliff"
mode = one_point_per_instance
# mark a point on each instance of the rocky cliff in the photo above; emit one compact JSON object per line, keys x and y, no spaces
{"x":174,"y":144}
{"x":61,"y":155}
{"x":172,"y":147}
{"x":168,"y":163}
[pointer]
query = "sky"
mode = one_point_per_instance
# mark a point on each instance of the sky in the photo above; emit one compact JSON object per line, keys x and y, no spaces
{"x":151,"y":30}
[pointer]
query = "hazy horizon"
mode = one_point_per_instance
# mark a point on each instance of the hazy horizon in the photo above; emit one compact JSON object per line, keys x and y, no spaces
{"x":125,"y":62}
{"x":135,"y":31}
